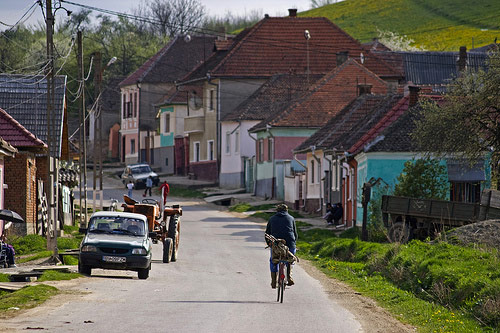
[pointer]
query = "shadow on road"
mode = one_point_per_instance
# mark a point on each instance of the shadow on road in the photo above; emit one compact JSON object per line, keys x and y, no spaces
{"x":220,"y":302}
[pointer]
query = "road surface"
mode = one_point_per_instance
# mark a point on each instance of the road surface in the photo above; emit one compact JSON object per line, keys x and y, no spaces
{"x":220,"y":283}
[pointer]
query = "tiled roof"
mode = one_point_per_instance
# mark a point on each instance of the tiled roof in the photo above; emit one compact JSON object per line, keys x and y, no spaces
{"x":25,"y":99}
{"x":394,"y":135}
{"x":173,"y":61}
{"x":275,"y":95}
{"x":326,"y":98}
{"x":15,"y":134}
{"x":201,"y":71}
{"x":431,"y":68}
{"x":351,"y":123}
{"x":277,"y":45}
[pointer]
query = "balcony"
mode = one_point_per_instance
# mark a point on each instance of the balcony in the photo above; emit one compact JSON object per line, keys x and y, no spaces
{"x":194,"y":124}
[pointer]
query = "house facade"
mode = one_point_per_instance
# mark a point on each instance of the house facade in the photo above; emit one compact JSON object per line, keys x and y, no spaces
{"x":145,"y":88}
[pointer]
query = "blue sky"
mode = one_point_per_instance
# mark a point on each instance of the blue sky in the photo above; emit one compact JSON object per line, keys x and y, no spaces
{"x":12,"y":10}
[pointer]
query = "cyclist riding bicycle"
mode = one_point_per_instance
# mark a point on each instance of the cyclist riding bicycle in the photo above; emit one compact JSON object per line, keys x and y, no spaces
{"x":282,"y":226}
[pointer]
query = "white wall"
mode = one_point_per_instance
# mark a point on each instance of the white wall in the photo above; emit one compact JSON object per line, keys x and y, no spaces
{"x":232,"y":162}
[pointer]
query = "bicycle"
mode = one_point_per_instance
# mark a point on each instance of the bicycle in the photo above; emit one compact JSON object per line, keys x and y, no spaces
{"x":281,"y":256}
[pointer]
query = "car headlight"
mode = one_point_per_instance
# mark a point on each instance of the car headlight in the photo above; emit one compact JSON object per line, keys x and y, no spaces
{"x":139,"y":251}
{"x":89,"y":248}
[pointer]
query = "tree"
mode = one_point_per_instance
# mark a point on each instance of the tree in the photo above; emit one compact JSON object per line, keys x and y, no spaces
{"x":397,"y":42}
{"x":422,"y":178}
{"x":321,"y":3}
{"x":466,"y":123}
{"x":171,"y":18}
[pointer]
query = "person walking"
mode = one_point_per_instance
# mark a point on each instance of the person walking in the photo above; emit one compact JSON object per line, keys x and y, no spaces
{"x":164,"y":189}
{"x":149,"y":185}
{"x":282,"y":226}
{"x":130,"y":187}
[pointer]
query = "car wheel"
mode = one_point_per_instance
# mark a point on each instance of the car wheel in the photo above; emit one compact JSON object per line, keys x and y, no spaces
{"x":143,"y":274}
{"x":84,"y":269}
{"x":167,"y":250}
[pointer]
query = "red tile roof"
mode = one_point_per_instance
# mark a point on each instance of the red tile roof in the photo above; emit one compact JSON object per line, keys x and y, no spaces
{"x":173,"y":61}
{"x":327,"y":97}
{"x":15,"y":133}
{"x":277,"y":45}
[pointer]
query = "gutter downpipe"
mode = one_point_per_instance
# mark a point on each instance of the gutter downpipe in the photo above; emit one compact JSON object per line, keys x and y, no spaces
{"x":344,"y":157}
{"x":313,"y":148}
{"x":329,"y":183}
{"x":306,"y":185}
{"x":254,"y":168}
{"x":273,"y":182}
{"x":218,"y":130}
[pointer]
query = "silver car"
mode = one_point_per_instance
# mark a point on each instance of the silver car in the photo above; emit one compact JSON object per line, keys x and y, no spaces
{"x":138,"y":173}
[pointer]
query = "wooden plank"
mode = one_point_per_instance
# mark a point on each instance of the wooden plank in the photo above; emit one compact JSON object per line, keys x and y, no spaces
{"x":60,"y":268}
{"x":12,"y":286}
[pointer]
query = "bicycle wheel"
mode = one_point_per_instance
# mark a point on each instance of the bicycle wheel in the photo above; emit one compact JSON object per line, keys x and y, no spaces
{"x":282,"y":289}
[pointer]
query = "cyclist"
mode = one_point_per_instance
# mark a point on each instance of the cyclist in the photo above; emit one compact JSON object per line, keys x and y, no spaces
{"x":282,"y":226}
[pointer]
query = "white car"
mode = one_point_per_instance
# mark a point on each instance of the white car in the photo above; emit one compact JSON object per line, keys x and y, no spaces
{"x":138,"y":173}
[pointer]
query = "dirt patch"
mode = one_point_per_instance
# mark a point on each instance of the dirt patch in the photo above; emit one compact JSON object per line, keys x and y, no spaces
{"x":483,"y":234}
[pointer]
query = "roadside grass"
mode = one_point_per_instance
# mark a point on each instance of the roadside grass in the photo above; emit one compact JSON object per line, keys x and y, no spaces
{"x":52,"y":275}
{"x":25,"y":298}
{"x":302,"y":224}
{"x":176,"y":191}
{"x":4,"y":277}
{"x":436,"y":287}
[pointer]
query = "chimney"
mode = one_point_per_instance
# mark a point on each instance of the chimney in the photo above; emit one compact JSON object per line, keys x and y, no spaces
{"x":342,"y":57}
{"x":266,"y":15}
{"x":462,"y":58}
{"x":413,"y":95}
{"x":292,"y":12}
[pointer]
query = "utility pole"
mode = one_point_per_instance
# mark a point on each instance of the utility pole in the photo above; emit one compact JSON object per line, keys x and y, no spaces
{"x":96,"y":156}
{"x":82,"y":134}
{"x":52,"y":174}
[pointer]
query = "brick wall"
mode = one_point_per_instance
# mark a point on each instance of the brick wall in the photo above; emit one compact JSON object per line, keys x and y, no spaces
{"x":204,"y":170}
{"x":20,"y":176}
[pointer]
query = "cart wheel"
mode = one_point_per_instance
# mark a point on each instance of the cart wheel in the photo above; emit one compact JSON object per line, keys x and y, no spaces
{"x":174,"y":231}
{"x":399,"y":232}
{"x":167,"y":250}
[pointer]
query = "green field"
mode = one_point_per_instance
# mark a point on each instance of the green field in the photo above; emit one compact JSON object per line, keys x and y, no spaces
{"x":436,"y":25}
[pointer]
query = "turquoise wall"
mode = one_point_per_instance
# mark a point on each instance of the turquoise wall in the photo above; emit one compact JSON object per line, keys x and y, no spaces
{"x":167,"y":140}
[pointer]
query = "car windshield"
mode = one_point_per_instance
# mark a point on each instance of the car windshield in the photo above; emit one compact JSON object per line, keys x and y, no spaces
{"x":113,"y":224}
{"x":141,"y":169}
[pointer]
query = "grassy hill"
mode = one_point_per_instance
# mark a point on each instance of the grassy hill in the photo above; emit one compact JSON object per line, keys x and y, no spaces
{"x":439,"y":25}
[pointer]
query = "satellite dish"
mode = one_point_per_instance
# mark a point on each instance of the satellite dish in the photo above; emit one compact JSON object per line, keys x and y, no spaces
{"x":195,"y":102}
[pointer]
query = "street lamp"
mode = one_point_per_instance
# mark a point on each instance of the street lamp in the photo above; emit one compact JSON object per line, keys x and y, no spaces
{"x":307,"y":36}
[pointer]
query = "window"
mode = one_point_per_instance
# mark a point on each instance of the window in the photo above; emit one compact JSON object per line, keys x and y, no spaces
{"x":236,"y":141}
{"x":135,"y":105}
{"x":167,"y":122}
{"x":211,"y":150}
{"x":228,"y":143}
{"x":196,"y":152}
{"x":166,"y":161}
{"x":211,"y":101}
{"x":131,"y":105}
{"x":270,"y":149}
{"x":312,"y":171}
{"x":132,"y":146}
{"x":261,"y":151}
{"x":124,"y":106}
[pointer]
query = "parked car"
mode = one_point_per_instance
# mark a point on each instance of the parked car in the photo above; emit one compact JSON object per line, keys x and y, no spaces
{"x":138,"y":173}
{"x":116,"y":240}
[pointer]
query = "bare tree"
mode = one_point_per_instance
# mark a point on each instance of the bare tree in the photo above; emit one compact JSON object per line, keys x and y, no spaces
{"x":321,"y":3}
{"x":169,"y":18}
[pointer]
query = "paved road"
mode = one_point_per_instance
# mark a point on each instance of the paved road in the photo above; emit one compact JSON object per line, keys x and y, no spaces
{"x":220,"y":283}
